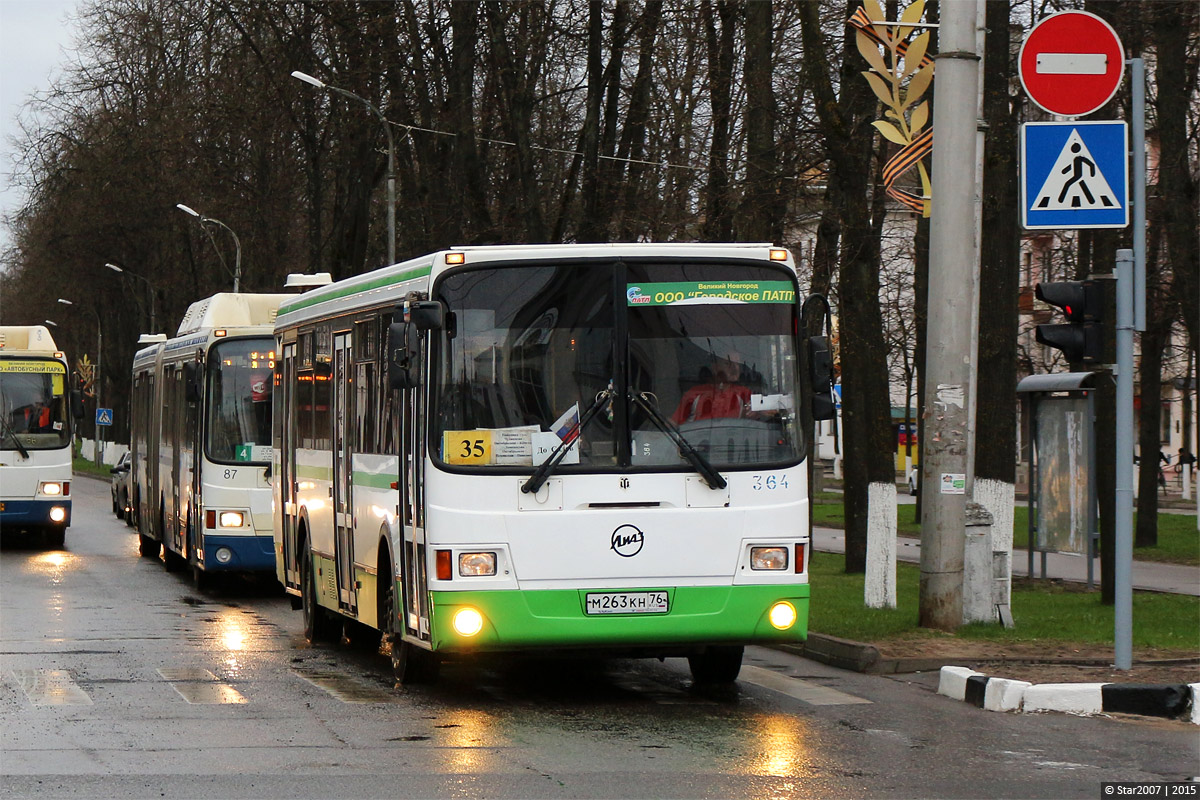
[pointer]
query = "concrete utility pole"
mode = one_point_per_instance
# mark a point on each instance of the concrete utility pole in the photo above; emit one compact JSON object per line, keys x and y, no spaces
{"x":953,"y":264}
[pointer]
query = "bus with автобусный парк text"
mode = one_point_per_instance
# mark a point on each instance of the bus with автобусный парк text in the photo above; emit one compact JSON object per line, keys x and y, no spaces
{"x":200,"y":438}
{"x":37,"y":407}
{"x":565,"y":448}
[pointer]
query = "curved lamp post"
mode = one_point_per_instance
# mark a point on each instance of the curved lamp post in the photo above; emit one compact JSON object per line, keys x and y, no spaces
{"x":153,"y":291}
{"x":391,"y":169}
{"x":237,"y":266}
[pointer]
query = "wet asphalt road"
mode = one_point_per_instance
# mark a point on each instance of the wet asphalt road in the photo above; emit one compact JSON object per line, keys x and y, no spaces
{"x":118,"y":679}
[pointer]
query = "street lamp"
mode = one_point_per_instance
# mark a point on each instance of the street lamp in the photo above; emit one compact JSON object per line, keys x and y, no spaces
{"x":391,"y":169}
{"x":96,"y":378}
{"x":51,"y":323}
{"x":153,"y":291}
{"x":237,"y":267}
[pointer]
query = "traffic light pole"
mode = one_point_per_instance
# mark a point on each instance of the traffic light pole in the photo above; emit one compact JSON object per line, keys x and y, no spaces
{"x":1123,"y":557}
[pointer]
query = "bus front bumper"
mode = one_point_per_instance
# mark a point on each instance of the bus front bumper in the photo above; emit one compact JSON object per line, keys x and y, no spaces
{"x":239,"y":553}
{"x":39,"y":513}
{"x":557,"y":618}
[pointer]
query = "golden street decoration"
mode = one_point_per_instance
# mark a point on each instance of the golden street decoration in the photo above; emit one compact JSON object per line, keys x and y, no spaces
{"x":899,"y":87}
{"x":86,"y":370}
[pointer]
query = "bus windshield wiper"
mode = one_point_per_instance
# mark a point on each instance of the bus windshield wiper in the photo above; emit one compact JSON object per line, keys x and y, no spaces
{"x":713,"y":478}
{"x":10,"y":433}
{"x":551,"y":463}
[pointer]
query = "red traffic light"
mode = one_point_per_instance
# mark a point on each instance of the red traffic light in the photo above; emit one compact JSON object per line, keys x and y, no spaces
{"x":1081,"y":301}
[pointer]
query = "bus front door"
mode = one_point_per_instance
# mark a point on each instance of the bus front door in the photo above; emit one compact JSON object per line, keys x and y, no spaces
{"x":343,"y":507}
{"x":287,"y":471}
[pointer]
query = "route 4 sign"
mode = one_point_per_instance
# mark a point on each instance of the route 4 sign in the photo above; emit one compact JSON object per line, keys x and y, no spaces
{"x":1074,"y":175}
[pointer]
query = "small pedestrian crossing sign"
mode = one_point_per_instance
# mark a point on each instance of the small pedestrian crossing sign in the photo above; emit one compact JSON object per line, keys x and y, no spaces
{"x":104,"y":416}
{"x":1074,"y":175}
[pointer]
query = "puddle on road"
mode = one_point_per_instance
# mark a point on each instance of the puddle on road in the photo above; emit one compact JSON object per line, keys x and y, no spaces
{"x":51,"y":687}
{"x":345,"y":688}
{"x":200,"y":687}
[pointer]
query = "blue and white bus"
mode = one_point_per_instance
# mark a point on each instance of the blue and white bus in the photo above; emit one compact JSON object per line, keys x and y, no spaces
{"x":590,"y":448}
{"x":200,"y":438}
{"x":37,"y":406}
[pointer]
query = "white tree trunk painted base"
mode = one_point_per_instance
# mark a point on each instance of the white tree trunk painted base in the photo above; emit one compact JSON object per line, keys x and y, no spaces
{"x":879,"y":588}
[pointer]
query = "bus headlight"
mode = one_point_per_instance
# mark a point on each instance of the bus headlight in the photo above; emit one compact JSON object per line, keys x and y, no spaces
{"x":58,"y":514}
{"x":468,"y":621}
{"x":51,"y":488}
{"x":782,"y":615}
{"x":232,"y":519}
{"x":476,"y":564}
{"x":768,"y":558}
{"x":224,"y":555}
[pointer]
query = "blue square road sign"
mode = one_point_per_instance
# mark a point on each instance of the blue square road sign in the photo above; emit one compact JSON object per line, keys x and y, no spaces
{"x":104,"y":416}
{"x":1074,"y":175}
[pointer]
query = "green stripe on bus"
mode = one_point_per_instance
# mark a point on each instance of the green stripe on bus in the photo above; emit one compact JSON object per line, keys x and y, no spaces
{"x":306,"y":300}
{"x":320,"y":473}
{"x":374,"y":480}
{"x":516,"y":619}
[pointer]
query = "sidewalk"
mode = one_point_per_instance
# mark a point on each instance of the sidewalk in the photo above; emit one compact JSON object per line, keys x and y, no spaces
{"x":1148,"y":575}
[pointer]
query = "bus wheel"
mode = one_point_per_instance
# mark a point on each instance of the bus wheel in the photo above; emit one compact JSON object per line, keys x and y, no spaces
{"x":716,"y":665}
{"x":54,"y":537}
{"x":318,"y":625}
{"x":410,"y":664}
{"x":147,"y":547}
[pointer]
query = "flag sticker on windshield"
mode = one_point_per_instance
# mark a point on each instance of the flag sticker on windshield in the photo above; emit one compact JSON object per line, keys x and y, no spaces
{"x":682,"y":293}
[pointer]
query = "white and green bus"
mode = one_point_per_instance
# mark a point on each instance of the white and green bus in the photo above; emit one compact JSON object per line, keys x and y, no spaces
{"x":548,"y":447}
{"x":37,"y":406}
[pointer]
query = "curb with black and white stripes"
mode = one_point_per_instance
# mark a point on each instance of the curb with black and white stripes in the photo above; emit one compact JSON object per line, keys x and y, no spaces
{"x":1173,"y":701}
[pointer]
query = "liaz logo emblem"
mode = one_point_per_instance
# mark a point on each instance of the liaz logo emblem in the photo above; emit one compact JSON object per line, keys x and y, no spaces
{"x":627,"y":541}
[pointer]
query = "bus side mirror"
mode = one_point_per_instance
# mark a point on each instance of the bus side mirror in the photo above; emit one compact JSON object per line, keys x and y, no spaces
{"x":76,"y":404}
{"x":820,"y":372}
{"x":428,"y":315}
{"x":404,"y":355}
{"x":192,"y":382}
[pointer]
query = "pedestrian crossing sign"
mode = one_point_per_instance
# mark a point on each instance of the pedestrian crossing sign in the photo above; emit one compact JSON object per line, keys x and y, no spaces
{"x":104,"y":416}
{"x":1074,"y":175}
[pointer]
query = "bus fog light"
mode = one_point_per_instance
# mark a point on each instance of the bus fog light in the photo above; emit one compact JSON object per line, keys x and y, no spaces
{"x":783,"y":615}
{"x":232,"y":519}
{"x":468,"y":621}
{"x":224,"y":555}
{"x":768,"y":558}
{"x":52,"y":488}
{"x":476,"y":564}
{"x":57,"y":514}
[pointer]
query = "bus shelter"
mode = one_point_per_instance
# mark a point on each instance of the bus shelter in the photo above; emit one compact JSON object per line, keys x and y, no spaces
{"x":1062,"y":466}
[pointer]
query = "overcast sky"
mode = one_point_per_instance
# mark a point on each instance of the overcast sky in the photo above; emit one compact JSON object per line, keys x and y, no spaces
{"x":34,"y":35}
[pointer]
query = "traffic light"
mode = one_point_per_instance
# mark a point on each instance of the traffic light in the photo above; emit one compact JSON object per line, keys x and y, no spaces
{"x":820,"y":372}
{"x":1081,"y":338}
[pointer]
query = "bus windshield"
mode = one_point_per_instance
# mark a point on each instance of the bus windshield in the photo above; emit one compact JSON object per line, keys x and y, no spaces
{"x":33,"y":401}
{"x":238,"y":423}
{"x":709,"y":346}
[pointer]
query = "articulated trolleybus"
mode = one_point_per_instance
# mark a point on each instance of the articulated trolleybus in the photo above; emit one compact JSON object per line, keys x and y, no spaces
{"x":36,"y":408}
{"x":552,"y":447}
{"x":200,"y":438}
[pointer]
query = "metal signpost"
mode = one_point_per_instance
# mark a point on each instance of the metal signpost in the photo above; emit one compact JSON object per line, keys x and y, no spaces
{"x":1074,"y":175}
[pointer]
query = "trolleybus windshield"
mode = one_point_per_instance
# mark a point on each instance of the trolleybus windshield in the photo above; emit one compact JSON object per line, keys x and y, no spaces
{"x":710,"y":345}
{"x":33,"y":401}
{"x":239,"y":401}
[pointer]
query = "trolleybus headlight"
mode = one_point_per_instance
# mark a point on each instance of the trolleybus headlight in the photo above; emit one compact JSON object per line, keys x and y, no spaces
{"x":468,"y":621}
{"x":52,"y":488}
{"x":768,"y":558}
{"x":58,"y":514}
{"x":476,"y":564}
{"x":783,"y":615}
{"x":232,"y":519}
{"x":224,"y":555}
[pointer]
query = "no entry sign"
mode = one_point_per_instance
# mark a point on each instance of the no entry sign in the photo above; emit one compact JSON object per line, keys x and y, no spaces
{"x":1071,"y":63}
